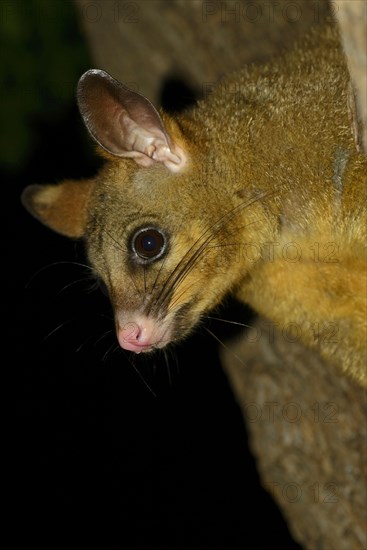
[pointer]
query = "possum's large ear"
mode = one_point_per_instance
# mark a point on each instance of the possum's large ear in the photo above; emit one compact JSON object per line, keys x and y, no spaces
{"x":61,"y":207}
{"x":126,"y":123}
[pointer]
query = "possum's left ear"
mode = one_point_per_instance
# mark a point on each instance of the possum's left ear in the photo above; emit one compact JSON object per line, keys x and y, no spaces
{"x":61,"y":207}
{"x":126,"y":124}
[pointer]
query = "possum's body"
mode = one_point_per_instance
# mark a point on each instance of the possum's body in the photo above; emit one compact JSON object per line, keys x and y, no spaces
{"x":259,"y":190}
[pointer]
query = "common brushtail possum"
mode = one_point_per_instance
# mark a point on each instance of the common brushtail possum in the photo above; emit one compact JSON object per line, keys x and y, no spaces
{"x":259,"y":190}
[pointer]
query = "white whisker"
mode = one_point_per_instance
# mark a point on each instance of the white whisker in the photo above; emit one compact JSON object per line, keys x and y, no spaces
{"x":226,"y":347}
{"x":56,"y":329}
{"x":229,"y":322}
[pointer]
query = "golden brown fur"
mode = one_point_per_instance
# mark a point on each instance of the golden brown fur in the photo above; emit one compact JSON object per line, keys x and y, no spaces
{"x":270,"y":205}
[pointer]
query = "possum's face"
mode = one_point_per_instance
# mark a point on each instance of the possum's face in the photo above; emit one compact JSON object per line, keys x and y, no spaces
{"x":157,"y":251}
{"x":152,"y":232}
{"x":155,"y":248}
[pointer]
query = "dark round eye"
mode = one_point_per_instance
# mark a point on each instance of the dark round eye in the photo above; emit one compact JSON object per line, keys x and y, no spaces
{"x":149,"y":244}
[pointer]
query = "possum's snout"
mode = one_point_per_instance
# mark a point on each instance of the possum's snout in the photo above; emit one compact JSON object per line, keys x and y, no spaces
{"x":137,"y":333}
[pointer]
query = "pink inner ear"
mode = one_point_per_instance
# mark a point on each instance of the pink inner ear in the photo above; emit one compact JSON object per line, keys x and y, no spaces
{"x":123,"y":122}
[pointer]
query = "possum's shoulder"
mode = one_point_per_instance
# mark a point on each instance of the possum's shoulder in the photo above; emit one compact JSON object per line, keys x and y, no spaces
{"x":317,"y":57}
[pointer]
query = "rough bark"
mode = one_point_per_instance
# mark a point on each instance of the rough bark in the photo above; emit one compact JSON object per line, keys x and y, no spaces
{"x":142,"y":43}
{"x":352,"y":20}
{"x":308,"y":430}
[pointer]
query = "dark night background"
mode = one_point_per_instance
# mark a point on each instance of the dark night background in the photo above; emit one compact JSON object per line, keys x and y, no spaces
{"x":100,"y":460}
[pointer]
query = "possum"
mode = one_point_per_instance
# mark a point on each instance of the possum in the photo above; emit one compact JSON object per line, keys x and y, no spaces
{"x":258,"y":191}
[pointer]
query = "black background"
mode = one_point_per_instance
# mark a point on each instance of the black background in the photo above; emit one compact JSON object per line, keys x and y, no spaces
{"x":110,"y":451}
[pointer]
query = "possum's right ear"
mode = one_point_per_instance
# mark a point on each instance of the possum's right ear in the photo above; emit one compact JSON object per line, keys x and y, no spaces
{"x":61,"y":207}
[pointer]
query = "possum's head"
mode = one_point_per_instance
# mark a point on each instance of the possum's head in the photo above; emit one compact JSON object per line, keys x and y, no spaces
{"x":148,"y":219}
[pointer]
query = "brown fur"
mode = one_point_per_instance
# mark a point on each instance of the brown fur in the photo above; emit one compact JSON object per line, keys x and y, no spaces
{"x":274,"y":176}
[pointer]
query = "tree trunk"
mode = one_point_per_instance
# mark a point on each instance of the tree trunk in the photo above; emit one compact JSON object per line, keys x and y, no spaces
{"x":352,"y":20}
{"x":142,"y":43}
{"x":308,"y":431}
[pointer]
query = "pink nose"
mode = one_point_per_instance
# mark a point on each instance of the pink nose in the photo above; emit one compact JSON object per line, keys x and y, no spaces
{"x":133,"y":337}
